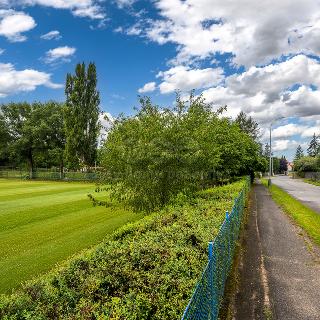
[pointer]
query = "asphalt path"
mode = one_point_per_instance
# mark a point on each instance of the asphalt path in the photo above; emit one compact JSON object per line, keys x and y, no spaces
{"x":307,"y":193}
{"x":279,"y":269}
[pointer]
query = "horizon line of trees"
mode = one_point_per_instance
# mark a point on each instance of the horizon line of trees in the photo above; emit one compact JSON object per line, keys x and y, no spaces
{"x":148,"y":158}
{"x":53,"y":134}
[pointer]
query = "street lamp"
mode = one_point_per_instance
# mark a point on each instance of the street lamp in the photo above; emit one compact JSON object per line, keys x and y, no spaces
{"x":270,"y":152}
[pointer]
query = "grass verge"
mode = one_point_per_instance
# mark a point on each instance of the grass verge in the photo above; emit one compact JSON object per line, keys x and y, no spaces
{"x":306,"y":218}
{"x":314,"y":182}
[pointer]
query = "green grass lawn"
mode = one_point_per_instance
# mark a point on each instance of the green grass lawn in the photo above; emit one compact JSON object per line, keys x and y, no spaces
{"x":43,"y":223}
{"x":305,"y":217}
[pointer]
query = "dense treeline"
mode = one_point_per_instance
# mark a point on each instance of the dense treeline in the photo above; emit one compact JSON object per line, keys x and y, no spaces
{"x":34,"y":134}
{"x":157,"y":153}
{"x":54,"y":134}
{"x":148,"y":158}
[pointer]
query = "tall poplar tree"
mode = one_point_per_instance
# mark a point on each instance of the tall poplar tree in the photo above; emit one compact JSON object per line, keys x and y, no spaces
{"x":81,"y":117}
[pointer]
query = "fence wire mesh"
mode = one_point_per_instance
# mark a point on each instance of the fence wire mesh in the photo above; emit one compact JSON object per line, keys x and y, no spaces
{"x":47,"y":174}
{"x":207,"y":296}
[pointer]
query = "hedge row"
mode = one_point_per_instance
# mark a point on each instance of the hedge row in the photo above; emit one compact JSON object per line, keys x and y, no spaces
{"x":145,"y":270}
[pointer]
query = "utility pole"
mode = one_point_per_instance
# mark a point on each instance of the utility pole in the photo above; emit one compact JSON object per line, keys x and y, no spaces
{"x":270,"y":154}
{"x":270,"y":159}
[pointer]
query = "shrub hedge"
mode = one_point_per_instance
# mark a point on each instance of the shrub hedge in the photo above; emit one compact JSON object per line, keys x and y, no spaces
{"x":145,"y":270}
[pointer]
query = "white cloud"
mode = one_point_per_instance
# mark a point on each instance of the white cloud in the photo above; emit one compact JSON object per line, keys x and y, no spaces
{"x":82,"y":8}
{"x":283,"y":145}
{"x":185,"y":79}
{"x":288,"y":130}
{"x":309,"y":132}
{"x":273,"y":91}
{"x":2,"y":51}
{"x":14,"y":23}
{"x":13,"y":81}
{"x":52,"y":35}
{"x":124,"y":3}
{"x":106,"y":120}
{"x":60,"y":54}
{"x":254,"y":32}
{"x":148,"y":87}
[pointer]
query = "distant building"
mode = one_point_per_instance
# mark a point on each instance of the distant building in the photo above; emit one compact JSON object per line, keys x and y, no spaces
{"x":290,"y":166}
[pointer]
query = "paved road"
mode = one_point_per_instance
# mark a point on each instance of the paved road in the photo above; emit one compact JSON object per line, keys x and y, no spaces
{"x":304,"y":192}
{"x":279,"y":272}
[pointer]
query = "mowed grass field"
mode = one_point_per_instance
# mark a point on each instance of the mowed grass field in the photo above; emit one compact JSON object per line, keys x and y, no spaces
{"x":43,"y":223}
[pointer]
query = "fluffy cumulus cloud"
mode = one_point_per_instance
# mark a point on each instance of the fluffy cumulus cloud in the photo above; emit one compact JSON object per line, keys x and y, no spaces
{"x":185,"y":79}
{"x":83,"y":8}
{"x":52,"y":35}
{"x":254,"y":32}
{"x":148,"y":87}
{"x":13,"y":24}
{"x":14,"y":81}
{"x":59,"y":54}
{"x":284,"y":144}
{"x":285,"y":89}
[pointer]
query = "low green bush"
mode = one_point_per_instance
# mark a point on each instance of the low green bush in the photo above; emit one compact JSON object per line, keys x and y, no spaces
{"x":305,"y":164}
{"x":145,"y":270}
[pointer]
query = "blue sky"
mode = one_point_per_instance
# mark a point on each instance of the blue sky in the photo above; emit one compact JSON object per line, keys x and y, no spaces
{"x":262,"y":58}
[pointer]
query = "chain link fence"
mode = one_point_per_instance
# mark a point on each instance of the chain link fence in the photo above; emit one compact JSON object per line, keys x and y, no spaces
{"x":48,"y":174}
{"x":208,"y":294}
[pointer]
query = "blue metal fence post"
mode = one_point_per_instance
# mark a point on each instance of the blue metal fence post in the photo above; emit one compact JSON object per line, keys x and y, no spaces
{"x":211,"y":275}
{"x":208,"y":293}
{"x":210,"y":250}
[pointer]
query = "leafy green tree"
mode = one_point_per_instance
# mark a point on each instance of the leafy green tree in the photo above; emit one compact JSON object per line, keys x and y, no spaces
{"x":266,"y":152}
{"x":49,"y":134}
{"x":248,"y":125}
{"x":299,"y":153}
{"x":5,"y":140}
{"x":158,"y":153}
{"x":276,"y":165}
{"x":81,"y":116}
{"x":305,"y":164}
{"x":314,"y":145}
{"x":34,"y":130}
{"x":17,"y":116}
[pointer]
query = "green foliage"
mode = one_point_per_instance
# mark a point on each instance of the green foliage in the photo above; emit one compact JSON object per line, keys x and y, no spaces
{"x":314,"y":146}
{"x":34,"y":132}
{"x":158,"y":153}
{"x":305,"y":164}
{"x":145,"y":270}
{"x":299,"y":153}
{"x":81,"y":116}
{"x":248,"y":125}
